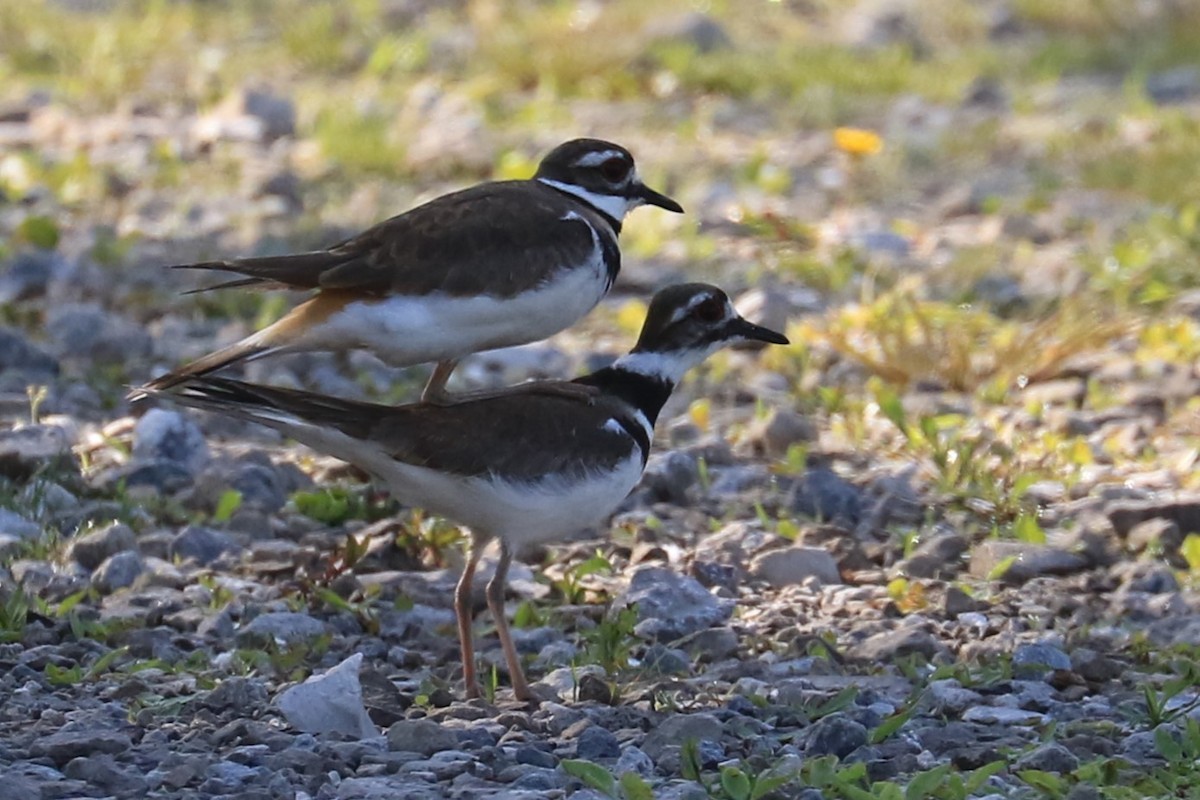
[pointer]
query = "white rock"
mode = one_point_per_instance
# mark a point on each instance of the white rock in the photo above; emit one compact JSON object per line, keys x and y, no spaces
{"x":331,"y":702}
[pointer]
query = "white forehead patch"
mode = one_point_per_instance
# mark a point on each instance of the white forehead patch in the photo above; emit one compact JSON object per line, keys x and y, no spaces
{"x":597,"y":158}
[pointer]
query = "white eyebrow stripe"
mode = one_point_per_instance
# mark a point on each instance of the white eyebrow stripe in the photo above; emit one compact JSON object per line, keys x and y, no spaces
{"x":598,"y":158}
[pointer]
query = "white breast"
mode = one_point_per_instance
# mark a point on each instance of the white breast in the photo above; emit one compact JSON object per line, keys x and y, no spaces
{"x":404,"y":331}
{"x":519,"y":512}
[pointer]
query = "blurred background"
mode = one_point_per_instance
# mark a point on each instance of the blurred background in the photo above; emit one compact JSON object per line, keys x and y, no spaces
{"x":958,"y":207}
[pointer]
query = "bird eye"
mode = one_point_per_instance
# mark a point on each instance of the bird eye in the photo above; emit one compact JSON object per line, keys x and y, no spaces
{"x":614,"y":170}
{"x":710,"y":310}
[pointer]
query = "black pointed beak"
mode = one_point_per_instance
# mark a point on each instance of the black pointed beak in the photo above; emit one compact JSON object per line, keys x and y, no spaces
{"x":744,"y":329}
{"x":651,"y":197}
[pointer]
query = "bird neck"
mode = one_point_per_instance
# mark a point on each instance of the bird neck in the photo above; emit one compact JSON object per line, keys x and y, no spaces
{"x":611,"y":207}
{"x":643,"y":378}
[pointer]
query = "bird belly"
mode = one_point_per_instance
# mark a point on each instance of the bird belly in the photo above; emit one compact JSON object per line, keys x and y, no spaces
{"x":408,"y":330}
{"x":522,"y":513}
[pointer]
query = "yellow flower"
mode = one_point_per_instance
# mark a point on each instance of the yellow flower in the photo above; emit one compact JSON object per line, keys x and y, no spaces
{"x":857,"y":142}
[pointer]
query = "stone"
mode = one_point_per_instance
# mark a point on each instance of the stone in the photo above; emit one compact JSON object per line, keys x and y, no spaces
{"x":1157,"y":532}
{"x":1036,"y":660}
{"x":102,"y":771}
{"x":825,"y":496}
{"x":19,"y":355}
{"x":28,"y":275}
{"x":118,"y":571}
{"x":939,"y":556}
{"x":31,"y":449}
{"x":1183,"y":510}
{"x":90,"y":549}
{"x":670,"y":605}
{"x":1018,"y":562}
{"x":239,"y":693}
{"x":596,"y":743}
{"x":331,"y":702}
{"x":793,"y":566}
{"x":170,"y":436}
{"x":201,"y":545}
{"x":889,"y":645}
{"x":14,"y":525}
{"x":1095,"y":667}
{"x":773,"y":435}
{"x":674,"y":731}
{"x":280,"y":626}
{"x":62,"y":746}
{"x":1173,"y":86}
{"x":420,"y":736}
{"x":88,"y":332}
{"x":1049,"y":757}
{"x":835,"y":734}
{"x":1002,"y":715}
{"x":668,"y":476}
{"x":690,"y":28}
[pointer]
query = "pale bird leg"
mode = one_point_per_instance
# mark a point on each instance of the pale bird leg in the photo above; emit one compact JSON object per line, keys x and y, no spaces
{"x":462,"y":614}
{"x":495,"y":599}
{"x":435,"y":389}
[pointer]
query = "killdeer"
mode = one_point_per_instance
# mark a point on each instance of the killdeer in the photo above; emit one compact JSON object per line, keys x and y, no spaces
{"x":494,"y":265}
{"x":528,"y":465}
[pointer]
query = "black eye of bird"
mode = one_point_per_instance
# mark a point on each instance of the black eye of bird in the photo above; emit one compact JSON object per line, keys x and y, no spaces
{"x":709,"y":310}
{"x":614,"y":170}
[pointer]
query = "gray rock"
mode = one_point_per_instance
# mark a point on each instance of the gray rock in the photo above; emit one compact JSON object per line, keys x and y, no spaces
{"x":690,"y":28}
{"x":674,"y":731}
{"x":939,"y":556}
{"x":597,"y":743}
{"x":202,"y":545}
{"x":1050,"y":757}
{"x":949,"y":697}
{"x":835,"y":734}
{"x":1021,"y":561}
{"x":243,"y":694}
{"x":19,"y":355}
{"x":773,"y":435}
{"x":792,"y":566}
{"x":103,"y":771}
{"x":889,"y":645}
{"x":62,"y":746}
{"x":665,"y":660}
{"x":1178,"y":85}
{"x":330,"y":702}
{"x":669,"y":476}
{"x":671,"y":605}
{"x":1095,"y":667}
{"x":170,"y":436}
{"x":420,"y":736}
{"x":634,"y":759}
{"x":535,"y":757}
{"x":1002,"y":715}
{"x":85,"y":331}
{"x":714,"y":644}
{"x":1036,"y":660}
{"x":164,"y":476}
{"x":823,"y":495}
{"x":1141,"y":748}
{"x":31,"y":449}
{"x":92,"y":548}
{"x":14,"y":525}
{"x":118,"y":571}
{"x":281,"y":626}
{"x":28,"y":275}
{"x":1183,"y":510}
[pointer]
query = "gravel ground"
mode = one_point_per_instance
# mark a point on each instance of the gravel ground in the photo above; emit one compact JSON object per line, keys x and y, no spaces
{"x":810,"y":589}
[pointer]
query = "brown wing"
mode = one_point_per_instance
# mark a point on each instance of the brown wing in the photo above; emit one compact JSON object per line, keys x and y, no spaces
{"x":497,"y":239}
{"x":524,"y":434}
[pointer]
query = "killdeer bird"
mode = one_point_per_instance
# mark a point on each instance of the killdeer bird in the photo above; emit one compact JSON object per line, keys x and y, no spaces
{"x":527,"y":465}
{"x":495,"y":265}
